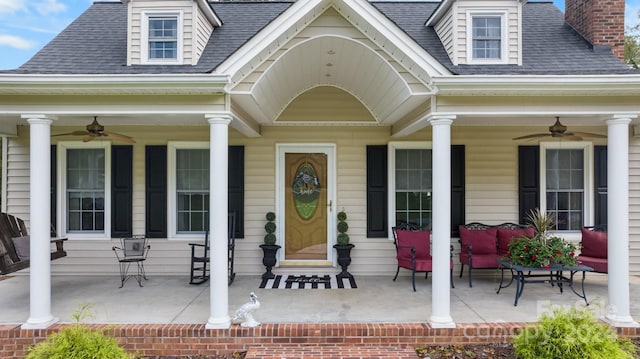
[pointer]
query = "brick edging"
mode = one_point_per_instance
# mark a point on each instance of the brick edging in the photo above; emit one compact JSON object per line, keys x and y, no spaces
{"x":194,"y":339}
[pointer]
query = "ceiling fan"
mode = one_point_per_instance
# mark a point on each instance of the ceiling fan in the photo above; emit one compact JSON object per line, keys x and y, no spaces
{"x":95,"y":130}
{"x":558,"y":130}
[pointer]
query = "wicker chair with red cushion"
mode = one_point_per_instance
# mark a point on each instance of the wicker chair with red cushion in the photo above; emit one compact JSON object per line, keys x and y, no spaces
{"x":594,"y":249}
{"x":413,"y":252}
{"x":481,"y":245}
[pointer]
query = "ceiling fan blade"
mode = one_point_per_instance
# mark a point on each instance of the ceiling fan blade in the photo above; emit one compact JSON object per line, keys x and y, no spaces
{"x":589,"y":134}
{"x":572,"y":136}
{"x":535,"y":135}
{"x":117,"y":136}
{"x":74,"y":133}
{"x":88,"y":137}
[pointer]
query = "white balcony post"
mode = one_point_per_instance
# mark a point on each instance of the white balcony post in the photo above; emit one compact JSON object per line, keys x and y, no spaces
{"x":218,"y":211}
{"x":441,"y":222}
{"x":39,"y":222}
{"x":618,"y":311}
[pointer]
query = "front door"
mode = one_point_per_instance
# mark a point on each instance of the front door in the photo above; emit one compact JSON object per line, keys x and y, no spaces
{"x":306,"y":195}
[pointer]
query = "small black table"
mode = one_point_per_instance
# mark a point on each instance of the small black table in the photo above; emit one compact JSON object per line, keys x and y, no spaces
{"x":554,"y":275}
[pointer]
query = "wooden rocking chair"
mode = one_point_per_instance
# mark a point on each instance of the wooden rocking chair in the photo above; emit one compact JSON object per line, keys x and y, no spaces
{"x":200,"y":255}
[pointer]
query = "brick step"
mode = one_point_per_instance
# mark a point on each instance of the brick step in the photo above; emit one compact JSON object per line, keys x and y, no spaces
{"x":328,"y":351}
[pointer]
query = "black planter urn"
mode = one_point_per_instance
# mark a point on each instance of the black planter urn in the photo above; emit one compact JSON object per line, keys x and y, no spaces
{"x":269,"y":259}
{"x":344,"y":259}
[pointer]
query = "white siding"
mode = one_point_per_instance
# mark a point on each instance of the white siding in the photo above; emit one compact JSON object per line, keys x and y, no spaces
{"x":445,"y":29}
{"x":17,"y":184}
{"x":202,"y":34}
{"x":634,"y":205}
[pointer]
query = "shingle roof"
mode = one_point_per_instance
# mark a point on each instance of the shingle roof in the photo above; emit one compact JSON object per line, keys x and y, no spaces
{"x":549,"y":46}
{"x":96,"y":42}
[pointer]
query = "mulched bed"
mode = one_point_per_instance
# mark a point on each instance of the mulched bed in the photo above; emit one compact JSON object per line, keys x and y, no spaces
{"x":467,"y":351}
{"x":479,"y":351}
{"x":234,"y":355}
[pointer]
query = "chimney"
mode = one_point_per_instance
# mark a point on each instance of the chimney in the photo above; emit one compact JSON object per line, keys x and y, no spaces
{"x":601,"y":22}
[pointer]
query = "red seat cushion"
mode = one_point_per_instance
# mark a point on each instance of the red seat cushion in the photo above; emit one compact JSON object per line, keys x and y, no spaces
{"x":482,"y":241}
{"x":598,"y":264}
{"x":594,"y":244}
{"x":424,"y":265}
{"x":418,"y":239}
{"x":505,"y":236}
{"x":485,"y":260}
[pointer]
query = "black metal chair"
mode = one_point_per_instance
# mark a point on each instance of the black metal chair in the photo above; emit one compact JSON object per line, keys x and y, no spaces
{"x":413,"y":251}
{"x":200,"y":255}
{"x":132,"y":250}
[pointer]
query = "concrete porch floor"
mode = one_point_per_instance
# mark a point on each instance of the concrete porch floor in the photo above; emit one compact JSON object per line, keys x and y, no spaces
{"x":171,"y":300}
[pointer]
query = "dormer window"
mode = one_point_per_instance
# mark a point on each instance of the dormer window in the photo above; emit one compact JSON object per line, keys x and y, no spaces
{"x":162,"y":38}
{"x":487,"y":37}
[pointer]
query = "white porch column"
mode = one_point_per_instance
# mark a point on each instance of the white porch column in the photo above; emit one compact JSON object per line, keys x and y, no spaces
{"x":39,"y":222}
{"x":618,"y":313}
{"x":218,"y":210}
{"x":441,"y":222}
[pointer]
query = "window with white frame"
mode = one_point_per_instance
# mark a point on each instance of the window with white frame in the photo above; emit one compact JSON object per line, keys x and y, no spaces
{"x":487,"y":37}
{"x":189,"y":187}
{"x":84,"y":188}
{"x":410,"y":178}
{"x":566,"y":178}
{"x":162,"y":40}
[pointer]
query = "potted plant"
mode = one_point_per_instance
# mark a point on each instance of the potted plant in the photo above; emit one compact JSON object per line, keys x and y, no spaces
{"x":543,"y":250}
{"x":343,"y":247}
{"x":269,"y":247}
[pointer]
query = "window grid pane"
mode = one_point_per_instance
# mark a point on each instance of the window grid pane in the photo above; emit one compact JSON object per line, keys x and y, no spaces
{"x":85,"y":190}
{"x":413,"y":187}
{"x":163,"y":37}
{"x":565,"y":187}
{"x":487,"y":37}
{"x":192,"y":190}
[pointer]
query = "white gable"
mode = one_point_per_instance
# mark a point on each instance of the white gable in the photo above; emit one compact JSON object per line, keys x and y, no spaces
{"x":345,"y":44}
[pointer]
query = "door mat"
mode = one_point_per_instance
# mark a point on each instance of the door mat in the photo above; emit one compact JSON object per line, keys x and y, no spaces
{"x":308,"y":282}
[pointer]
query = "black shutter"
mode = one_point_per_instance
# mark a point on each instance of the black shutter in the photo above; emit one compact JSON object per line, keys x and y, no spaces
{"x":528,"y":180}
{"x":54,"y":207}
{"x":236,"y":187}
{"x":457,"y":189}
{"x":600,"y":184}
{"x":377,"y":191}
{"x":121,"y":191}
{"x":156,"y":191}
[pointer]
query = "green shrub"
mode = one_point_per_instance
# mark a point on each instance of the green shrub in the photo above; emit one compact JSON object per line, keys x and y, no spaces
{"x":271,"y":216}
{"x":343,"y":239}
{"x":569,"y":334}
{"x":270,"y":227}
{"x":270,"y":239}
{"x":343,"y":227}
{"x":78,"y":342}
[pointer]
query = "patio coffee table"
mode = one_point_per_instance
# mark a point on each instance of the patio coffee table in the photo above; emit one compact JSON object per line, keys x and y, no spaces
{"x":553,"y":275}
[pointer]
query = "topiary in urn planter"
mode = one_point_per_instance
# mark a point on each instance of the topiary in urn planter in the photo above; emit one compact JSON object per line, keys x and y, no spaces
{"x":269,"y":247}
{"x":343,"y":247}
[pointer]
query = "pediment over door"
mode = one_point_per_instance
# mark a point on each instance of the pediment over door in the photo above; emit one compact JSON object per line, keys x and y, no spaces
{"x":331,"y":56}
